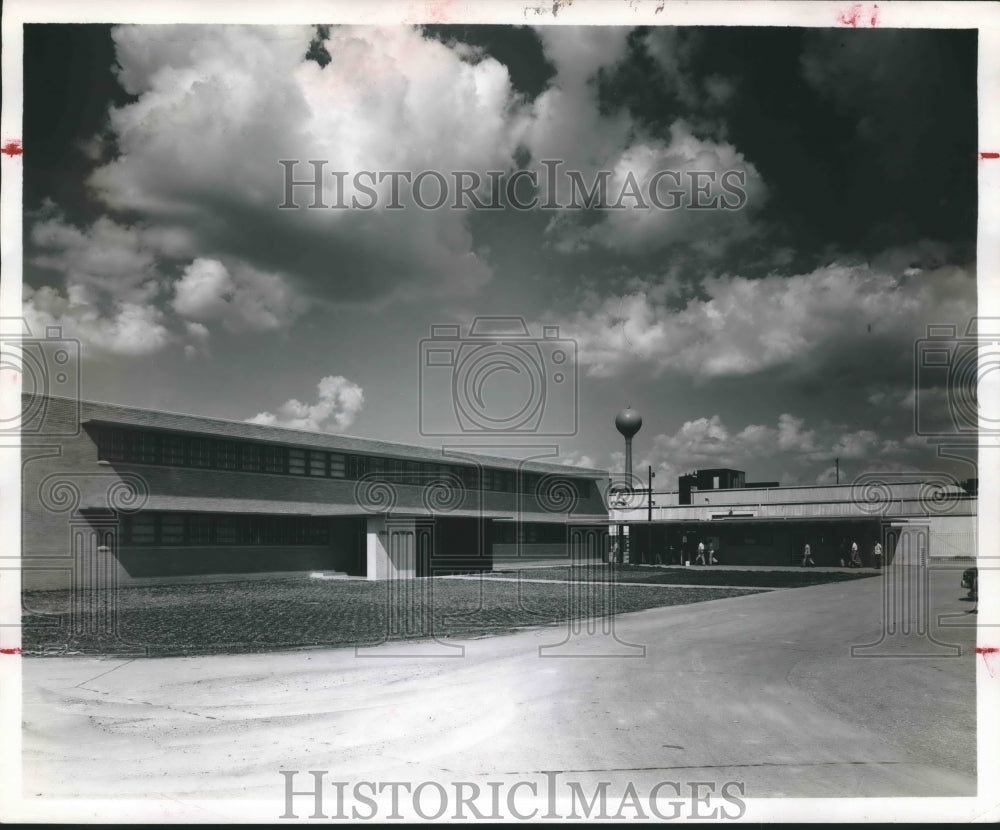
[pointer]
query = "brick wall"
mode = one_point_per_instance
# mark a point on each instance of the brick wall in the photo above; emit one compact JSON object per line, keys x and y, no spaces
{"x":60,"y":473}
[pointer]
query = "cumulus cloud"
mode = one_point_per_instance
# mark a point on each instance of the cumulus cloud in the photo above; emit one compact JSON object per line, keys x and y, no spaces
{"x":566,"y":122}
{"x":569,"y":124}
{"x":688,"y":190}
{"x":218,"y":107}
{"x":862,"y":443}
{"x":575,"y":458}
{"x":94,"y":259}
{"x":793,"y":437}
{"x":115,"y":280}
{"x":108,"y":282}
{"x":741,"y":326}
{"x":214,"y":109}
{"x":244,"y":300}
{"x":338,"y":403}
{"x":126,"y":329}
{"x":708,"y":442}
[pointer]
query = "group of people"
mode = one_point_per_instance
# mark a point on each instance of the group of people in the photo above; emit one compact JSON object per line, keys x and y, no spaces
{"x":848,"y":559}
{"x":700,"y":559}
{"x":703,"y":555}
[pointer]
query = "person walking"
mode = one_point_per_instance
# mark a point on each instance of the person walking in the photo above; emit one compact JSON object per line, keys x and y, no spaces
{"x":877,"y":554}
{"x":711,"y":554}
{"x":807,"y":557}
{"x":701,"y":554}
{"x":855,"y":559}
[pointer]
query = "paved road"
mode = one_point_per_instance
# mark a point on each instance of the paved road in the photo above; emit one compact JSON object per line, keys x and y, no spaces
{"x":760,"y":690}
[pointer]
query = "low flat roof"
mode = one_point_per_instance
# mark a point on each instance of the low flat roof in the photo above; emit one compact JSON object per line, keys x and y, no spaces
{"x":97,"y":412}
{"x":275,"y":507}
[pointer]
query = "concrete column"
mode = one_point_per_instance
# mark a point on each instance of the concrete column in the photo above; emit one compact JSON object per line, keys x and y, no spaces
{"x":391,"y":547}
{"x":377,"y":558}
{"x":400,"y":548}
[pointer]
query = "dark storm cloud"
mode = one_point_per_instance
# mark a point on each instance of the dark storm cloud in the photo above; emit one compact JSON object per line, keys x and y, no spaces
{"x":865,"y":139}
{"x":851,"y":142}
{"x":517,"y":47}
{"x":68,"y":86}
{"x":910,"y":97}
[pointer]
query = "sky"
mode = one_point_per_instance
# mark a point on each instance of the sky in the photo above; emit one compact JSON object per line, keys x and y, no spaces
{"x":770,"y":326}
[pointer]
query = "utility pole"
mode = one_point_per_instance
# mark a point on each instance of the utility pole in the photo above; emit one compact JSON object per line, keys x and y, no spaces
{"x":649,"y":500}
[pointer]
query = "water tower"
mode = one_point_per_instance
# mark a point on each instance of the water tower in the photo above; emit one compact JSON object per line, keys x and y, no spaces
{"x":628,"y":423}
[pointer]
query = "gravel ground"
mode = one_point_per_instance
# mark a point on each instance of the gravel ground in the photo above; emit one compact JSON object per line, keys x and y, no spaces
{"x":259,"y":615}
{"x":687,"y":576}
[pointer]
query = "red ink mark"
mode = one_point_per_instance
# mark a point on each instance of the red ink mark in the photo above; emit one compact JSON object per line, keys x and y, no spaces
{"x":440,"y":12}
{"x":855,"y":16}
{"x":10,"y":651}
{"x":12,"y":148}
{"x":989,"y":155}
{"x":988,"y":652}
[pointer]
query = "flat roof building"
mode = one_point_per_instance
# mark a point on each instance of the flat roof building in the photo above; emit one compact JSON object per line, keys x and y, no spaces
{"x":931,"y":517}
{"x":129,"y":495}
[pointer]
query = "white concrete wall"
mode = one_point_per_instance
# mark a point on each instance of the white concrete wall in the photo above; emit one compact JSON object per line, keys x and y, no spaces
{"x":391,"y":548}
{"x":937,"y":537}
{"x":827,"y":494}
{"x":952,"y":536}
{"x":896,"y":508}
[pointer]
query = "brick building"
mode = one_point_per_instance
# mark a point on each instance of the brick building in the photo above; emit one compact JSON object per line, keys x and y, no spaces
{"x":115,"y":494}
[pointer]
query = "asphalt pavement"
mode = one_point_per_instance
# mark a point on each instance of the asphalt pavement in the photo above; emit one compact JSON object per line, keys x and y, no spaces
{"x":760,"y":691}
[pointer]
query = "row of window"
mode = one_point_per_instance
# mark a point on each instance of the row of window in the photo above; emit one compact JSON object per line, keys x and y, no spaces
{"x":193,"y":529}
{"x":170,"y":449}
{"x":222,"y":529}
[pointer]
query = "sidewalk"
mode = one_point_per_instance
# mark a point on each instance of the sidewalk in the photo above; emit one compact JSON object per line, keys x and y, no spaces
{"x":760,"y":689}
{"x":617,"y":583}
{"x":722,"y":566}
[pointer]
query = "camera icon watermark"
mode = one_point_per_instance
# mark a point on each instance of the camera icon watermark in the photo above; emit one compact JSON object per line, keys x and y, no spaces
{"x":48,"y":367}
{"x":498,"y":379}
{"x":954,"y":380}
{"x":926,"y":522}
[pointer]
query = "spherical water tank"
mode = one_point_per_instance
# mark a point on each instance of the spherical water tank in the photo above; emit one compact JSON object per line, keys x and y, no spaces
{"x":628,"y":422}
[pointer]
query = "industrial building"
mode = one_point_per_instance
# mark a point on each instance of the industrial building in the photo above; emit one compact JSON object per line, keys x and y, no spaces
{"x":763,"y":523}
{"x":115,"y":495}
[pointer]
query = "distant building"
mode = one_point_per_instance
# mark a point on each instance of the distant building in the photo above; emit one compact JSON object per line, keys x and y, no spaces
{"x":759,"y":524}
{"x":117,"y":495}
{"x":714,"y":479}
